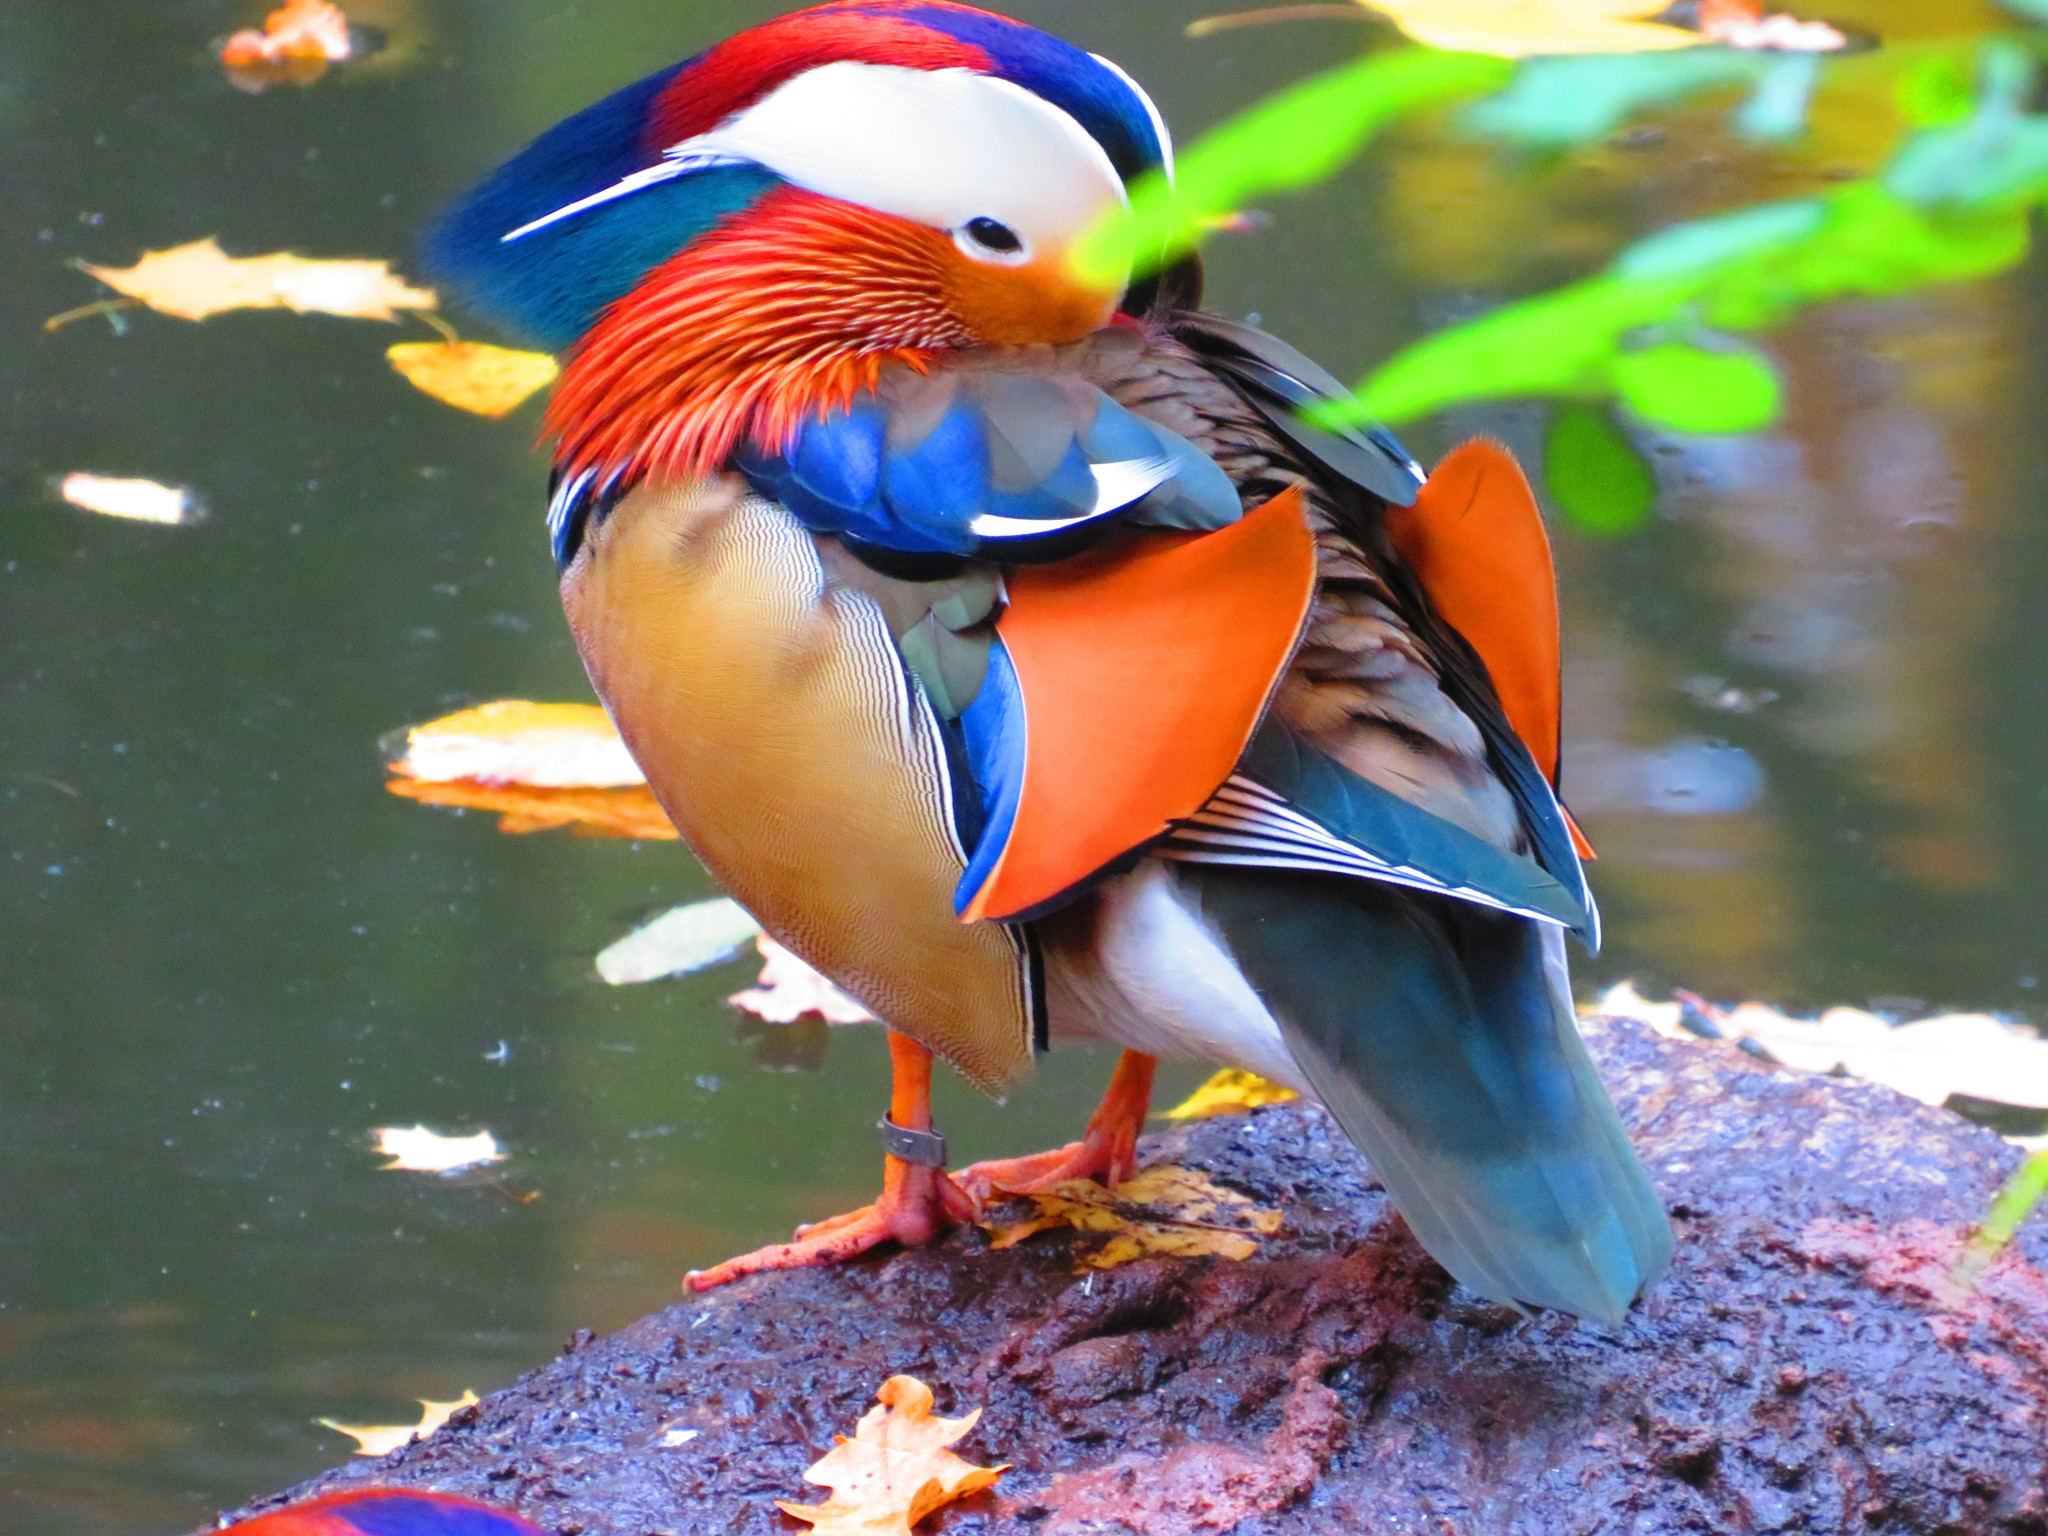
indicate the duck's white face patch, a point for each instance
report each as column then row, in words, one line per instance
column 1009, row 175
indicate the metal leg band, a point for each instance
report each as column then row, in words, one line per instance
column 926, row 1148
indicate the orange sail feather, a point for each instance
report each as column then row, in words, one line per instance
column 1144, row 667
column 1477, row 543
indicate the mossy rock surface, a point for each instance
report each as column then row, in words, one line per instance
column 1808, row 1365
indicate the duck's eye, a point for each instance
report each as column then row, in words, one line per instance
column 993, row 235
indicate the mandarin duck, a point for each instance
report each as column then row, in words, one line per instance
column 386, row 1512
column 1008, row 641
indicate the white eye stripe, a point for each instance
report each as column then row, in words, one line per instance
column 939, row 147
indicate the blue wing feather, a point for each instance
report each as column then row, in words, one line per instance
column 912, row 468
column 1292, row 807
column 993, row 730
column 1441, row 1037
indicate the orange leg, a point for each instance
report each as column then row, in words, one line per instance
column 917, row 1203
column 1107, row 1151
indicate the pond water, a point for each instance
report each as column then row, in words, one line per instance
column 1807, row 706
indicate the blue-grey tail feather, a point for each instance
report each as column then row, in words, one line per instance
column 1441, row 1037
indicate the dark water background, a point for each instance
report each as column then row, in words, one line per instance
column 1807, row 708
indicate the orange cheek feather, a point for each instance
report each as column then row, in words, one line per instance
column 1039, row 302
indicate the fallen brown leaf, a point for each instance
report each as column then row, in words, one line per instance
column 298, row 41
column 382, row 1439
column 472, row 376
column 1743, row 24
column 199, row 279
column 1231, row 1091
column 895, row 1470
column 1161, row 1209
column 789, row 990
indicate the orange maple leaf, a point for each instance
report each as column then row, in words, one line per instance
column 629, row 812
column 538, row 766
column 298, row 41
column 895, row 1470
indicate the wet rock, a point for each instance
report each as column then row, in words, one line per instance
column 1810, row 1364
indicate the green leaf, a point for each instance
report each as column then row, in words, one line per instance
column 1697, row 248
column 1693, row 389
column 1997, row 154
column 1559, row 343
column 1577, row 98
column 1936, row 91
column 1297, row 138
column 1776, row 109
column 2033, row 10
column 1870, row 243
column 1956, row 203
column 1594, row 473
column 2014, row 1203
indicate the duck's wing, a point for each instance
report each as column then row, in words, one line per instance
column 756, row 674
column 1411, row 750
column 1007, row 463
column 1430, row 662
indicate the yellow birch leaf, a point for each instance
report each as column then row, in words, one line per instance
column 895, row 1470
column 199, row 279
column 1159, row 1210
column 1231, row 1091
column 1517, row 29
column 473, row 376
column 382, row 1439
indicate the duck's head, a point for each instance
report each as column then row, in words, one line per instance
column 749, row 236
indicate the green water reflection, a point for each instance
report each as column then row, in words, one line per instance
column 1806, row 707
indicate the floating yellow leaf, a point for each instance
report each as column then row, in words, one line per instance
column 515, row 741
column 1518, row 29
column 631, row 812
column 415, row 1149
column 682, row 940
column 1162, row 1210
column 895, row 1470
column 143, row 501
column 538, row 766
column 200, row 279
column 382, row 1439
column 472, row 376
column 789, row 989
column 1229, row 1092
